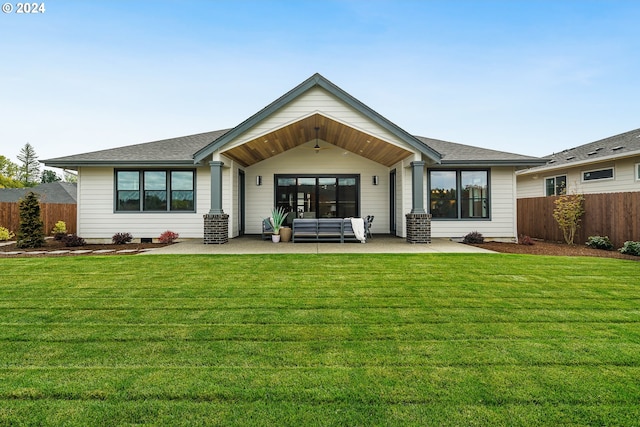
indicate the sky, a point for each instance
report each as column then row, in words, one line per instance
column 528, row 77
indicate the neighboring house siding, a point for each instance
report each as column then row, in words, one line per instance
column 96, row 219
column 533, row 185
column 313, row 101
column 502, row 223
column 374, row 200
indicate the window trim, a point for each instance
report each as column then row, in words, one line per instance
column 459, row 192
column 612, row 177
column 141, row 191
column 637, row 170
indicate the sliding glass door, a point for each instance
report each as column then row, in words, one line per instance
column 318, row 196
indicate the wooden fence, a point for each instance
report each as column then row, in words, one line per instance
column 616, row 215
column 49, row 212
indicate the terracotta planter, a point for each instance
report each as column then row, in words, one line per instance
column 285, row 234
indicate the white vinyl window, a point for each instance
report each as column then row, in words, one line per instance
column 637, row 171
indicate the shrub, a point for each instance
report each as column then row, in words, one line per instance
column 121, row 238
column 31, row 229
column 168, row 237
column 630, row 248
column 59, row 230
column 473, row 237
column 5, row 234
column 73, row 240
column 600, row 242
column 567, row 213
column 525, row 240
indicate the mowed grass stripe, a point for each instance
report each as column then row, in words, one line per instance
column 352, row 339
column 450, row 331
column 491, row 385
column 327, row 353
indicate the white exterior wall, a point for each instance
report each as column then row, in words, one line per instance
column 97, row 220
column 624, row 179
column 503, row 219
column 374, row 199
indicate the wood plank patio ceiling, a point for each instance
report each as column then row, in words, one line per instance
column 303, row 131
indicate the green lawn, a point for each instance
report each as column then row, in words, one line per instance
column 445, row 339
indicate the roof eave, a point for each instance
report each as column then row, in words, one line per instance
column 486, row 163
column 102, row 163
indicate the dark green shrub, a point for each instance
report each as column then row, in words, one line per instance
column 31, row 228
column 600, row 242
column 121, row 238
column 630, row 248
column 73, row 240
column 473, row 237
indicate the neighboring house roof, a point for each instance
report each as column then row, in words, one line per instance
column 614, row 147
column 52, row 192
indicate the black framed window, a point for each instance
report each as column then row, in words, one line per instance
column 598, row 174
column 318, row 196
column 155, row 190
column 459, row 194
column 556, row 185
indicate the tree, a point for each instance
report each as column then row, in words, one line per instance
column 30, row 169
column 50, row 176
column 70, row 177
column 9, row 174
column 31, row 228
column 567, row 213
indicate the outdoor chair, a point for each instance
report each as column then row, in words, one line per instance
column 367, row 226
column 267, row 229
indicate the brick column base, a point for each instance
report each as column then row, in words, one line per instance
column 418, row 228
column 216, row 229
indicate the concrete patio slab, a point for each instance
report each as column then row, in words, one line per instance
column 255, row 245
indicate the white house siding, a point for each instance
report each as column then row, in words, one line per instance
column 374, row 199
column 98, row 222
column 502, row 224
column 533, row 185
column 316, row 100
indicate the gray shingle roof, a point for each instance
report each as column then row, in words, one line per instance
column 167, row 151
column 616, row 146
column 52, row 192
column 180, row 151
column 460, row 154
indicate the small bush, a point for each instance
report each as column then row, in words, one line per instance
column 73, row 240
column 525, row 240
column 5, row 234
column 600, row 242
column 630, row 248
column 168, row 237
column 59, row 230
column 121, row 238
column 473, row 237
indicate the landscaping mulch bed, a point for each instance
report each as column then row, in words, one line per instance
column 52, row 245
column 553, row 248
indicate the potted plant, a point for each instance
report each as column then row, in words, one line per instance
column 277, row 218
